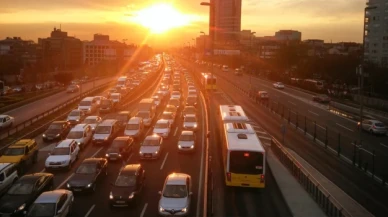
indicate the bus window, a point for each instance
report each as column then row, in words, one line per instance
column 242, row 162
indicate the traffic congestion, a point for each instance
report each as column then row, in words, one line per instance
column 133, row 143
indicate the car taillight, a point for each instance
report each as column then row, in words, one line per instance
column 262, row 179
column 374, row 127
column 229, row 177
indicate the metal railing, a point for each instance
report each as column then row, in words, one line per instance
column 322, row 197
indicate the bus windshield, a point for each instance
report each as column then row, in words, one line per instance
column 246, row 162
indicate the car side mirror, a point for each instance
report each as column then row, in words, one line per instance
column 160, row 192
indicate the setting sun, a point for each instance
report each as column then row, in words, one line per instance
column 160, row 18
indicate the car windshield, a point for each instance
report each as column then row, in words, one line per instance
column 87, row 168
column 114, row 96
column 118, row 144
column 14, row 151
column 175, row 191
column 21, row 188
column 189, row 111
column 132, row 127
column 190, row 119
column 105, row 102
column 60, row 151
column 174, row 102
column 122, row 118
column 125, row 181
column 166, row 116
column 74, row 113
column 103, row 130
column 55, row 127
column 143, row 115
column 161, row 125
column 42, row 210
column 75, row 135
column 186, row 138
column 72, row 86
column 379, row 124
column 170, row 109
column 151, row 142
column 90, row 121
column 85, row 103
column 175, row 93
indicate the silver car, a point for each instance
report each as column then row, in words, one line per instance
column 187, row 141
column 175, row 198
column 57, row 203
column 151, row 148
column 190, row 122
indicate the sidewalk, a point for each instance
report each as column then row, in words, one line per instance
column 348, row 203
column 298, row 200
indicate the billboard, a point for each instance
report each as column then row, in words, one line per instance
column 227, row 52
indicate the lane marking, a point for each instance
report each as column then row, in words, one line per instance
column 176, row 129
column 144, row 209
column 205, row 122
column 313, row 113
column 291, row 103
column 164, row 161
column 42, row 171
column 321, row 126
column 384, row 145
column 344, row 127
column 90, row 210
column 65, row 181
column 264, row 137
column 96, row 152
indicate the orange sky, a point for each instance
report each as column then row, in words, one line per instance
column 336, row 20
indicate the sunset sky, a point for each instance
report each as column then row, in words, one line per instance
column 336, row 20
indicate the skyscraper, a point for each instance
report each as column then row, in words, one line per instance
column 376, row 32
column 227, row 20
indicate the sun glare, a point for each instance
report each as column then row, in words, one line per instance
column 160, row 18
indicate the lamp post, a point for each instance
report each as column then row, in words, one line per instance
column 204, row 44
column 211, row 31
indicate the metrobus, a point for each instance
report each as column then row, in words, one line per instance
column 209, row 81
column 243, row 154
column 232, row 114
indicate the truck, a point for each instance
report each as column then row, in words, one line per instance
column 147, row 104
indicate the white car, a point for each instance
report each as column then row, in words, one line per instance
column 151, row 147
column 175, row 95
column 82, row 134
column 57, row 203
column 189, row 110
column 175, row 198
column 6, row 121
column 93, row 121
column 187, row 141
column 157, row 100
column 98, row 100
column 146, row 116
column 278, row 85
column 75, row 116
column 169, row 116
column 162, row 128
column 175, row 102
column 190, row 122
column 63, row 155
column 374, row 126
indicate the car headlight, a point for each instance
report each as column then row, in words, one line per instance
column 68, row 185
column 156, row 152
column 89, row 185
column 179, row 146
column 140, row 152
column 192, row 146
column 119, row 155
column 106, row 138
column 58, row 135
column 77, row 120
column 106, row 155
column 78, row 143
column 184, row 210
column 88, row 109
column 195, row 125
column 131, row 195
column 161, row 209
column 44, row 135
column 22, row 207
column 110, row 195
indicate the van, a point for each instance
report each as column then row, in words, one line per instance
column 134, row 127
column 88, row 105
column 82, row 134
column 106, row 132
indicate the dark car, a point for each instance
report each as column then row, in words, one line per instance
column 120, row 149
column 87, row 175
column 123, row 118
column 321, row 98
column 128, row 185
column 24, row 192
column 106, row 106
column 56, row 131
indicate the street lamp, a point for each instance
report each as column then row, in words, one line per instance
column 211, row 31
column 204, row 44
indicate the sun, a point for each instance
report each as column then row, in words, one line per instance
column 160, row 18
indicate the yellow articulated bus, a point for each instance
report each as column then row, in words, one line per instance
column 209, row 81
column 242, row 151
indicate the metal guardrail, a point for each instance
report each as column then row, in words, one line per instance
column 322, row 197
column 44, row 114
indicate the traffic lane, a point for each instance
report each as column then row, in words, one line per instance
column 241, row 201
column 30, row 110
column 360, row 187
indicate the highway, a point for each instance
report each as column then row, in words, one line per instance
column 354, row 182
column 32, row 109
column 96, row 204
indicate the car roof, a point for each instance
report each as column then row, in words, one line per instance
column 50, row 196
column 3, row 116
column 107, row 122
column 168, row 113
column 92, row 117
column 189, row 107
column 177, row 179
column 134, row 120
column 21, row 143
column 4, row 165
column 79, row 127
column 187, row 132
column 162, row 121
column 34, row 176
column 190, row 116
column 64, row 143
column 120, row 138
column 130, row 169
column 152, row 137
column 124, row 112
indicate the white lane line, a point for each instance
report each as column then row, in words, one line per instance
column 291, row 103
column 42, row 171
column 384, row 145
column 344, row 127
column 265, row 137
column 321, row 127
column 64, row 182
column 164, row 161
column 96, row 152
column 90, row 210
column 144, row 209
column 313, row 113
column 176, row 130
column 204, row 154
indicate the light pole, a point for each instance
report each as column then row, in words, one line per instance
column 204, row 44
column 211, row 31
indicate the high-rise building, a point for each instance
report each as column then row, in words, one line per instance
column 227, row 20
column 376, row 32
column 288, row 35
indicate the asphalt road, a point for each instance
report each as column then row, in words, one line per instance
column 355, row 183
column 156, row 171
column 30, row 110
